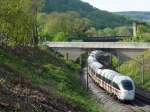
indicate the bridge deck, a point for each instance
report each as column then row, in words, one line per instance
column 104, row 45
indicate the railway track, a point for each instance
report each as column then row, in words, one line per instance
column 142, row 95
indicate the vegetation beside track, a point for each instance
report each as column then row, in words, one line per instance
column 36, row 69
column 133, row 68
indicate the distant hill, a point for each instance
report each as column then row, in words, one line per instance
column 99, row 18
column 136, row 15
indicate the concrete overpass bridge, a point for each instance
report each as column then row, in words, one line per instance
column 100, row 45
column 124, row 50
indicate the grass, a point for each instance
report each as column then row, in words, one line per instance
column 44, row 68
column 133, row 69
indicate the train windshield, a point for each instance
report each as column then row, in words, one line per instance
column 127, row 85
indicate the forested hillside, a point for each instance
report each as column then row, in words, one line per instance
column 98, row 18
column 136, row 15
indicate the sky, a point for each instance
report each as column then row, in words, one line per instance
column 121, row 5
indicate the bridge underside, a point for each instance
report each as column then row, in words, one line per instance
column 122, row 54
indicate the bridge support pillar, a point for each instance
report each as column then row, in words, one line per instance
column 67, row 56
column 80, row 61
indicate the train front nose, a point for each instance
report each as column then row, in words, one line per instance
column 128, row 90
column 127, row 95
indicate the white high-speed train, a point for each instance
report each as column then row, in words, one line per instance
column 113, row 82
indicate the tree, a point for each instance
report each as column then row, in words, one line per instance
column 91, row 32
column 80, row 26
column 108, row 32
column 143, row 33
column 57, row 22
column 69, row 23
column 123, row 31
column 101, row 33
column 59, row 37
column 17, row 21
column 36, row 7
column 99, row 19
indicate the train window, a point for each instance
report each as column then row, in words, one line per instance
column 127, row 84
column 115, row 85
column 99, row 76
column 102, row 78
column 106, row 80
column 109, row 81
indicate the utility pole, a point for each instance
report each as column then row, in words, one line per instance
column 87, row 75
column 87, row 79
column 81, row 69
column 110, row 59
column 142, row 70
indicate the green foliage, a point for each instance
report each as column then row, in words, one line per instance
column 18, row 21
column 59, row 37
column 91, row 32
column 100, row 32
column 142, row 29
column 119, row 31
column 45, row 69
column 132, row 68
column 99, row 19
column 114, row 61
column 143, row 34
column 108, row 32
column 124, row 31
column 62, row 26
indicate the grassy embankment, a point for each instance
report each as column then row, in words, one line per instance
column 133, row 69
column 43, row 69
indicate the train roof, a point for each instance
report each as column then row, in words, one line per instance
column 96, row 65
column 123, row 77
column 94, row 53
column 108, row 72
column 91, row 59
